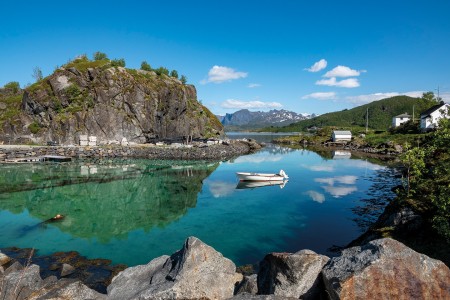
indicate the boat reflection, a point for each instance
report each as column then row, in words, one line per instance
column 257, row 184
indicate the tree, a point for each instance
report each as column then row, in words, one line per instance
column 183, row 79
column 145, row 66
column 14, row 86
column 37, row 74
column 429, row 96
column 100, row 56
column 174, row 74
column 162, row 70
column 118, row 62
column 414, row 162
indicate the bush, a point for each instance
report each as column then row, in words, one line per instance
column 174, row 74
column 118, row 62
column 162, row 70
column 145, row 66
column 14, row 86
column 100, row 56
column 183, row 79
column 34, row 127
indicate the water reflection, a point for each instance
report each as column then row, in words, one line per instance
column 257, row 184
column 105, row 201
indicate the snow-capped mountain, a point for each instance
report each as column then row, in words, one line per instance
column 248, row 119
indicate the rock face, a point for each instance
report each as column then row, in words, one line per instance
column 291, row 275
column 197, row 271
column 111, row 103
column 386, row 269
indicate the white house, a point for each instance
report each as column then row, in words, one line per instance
column 429, row 119
column 341, row 136
column 400, row 119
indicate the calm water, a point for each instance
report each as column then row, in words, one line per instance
column 131, row 211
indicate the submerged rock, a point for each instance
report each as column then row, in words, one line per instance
column 386, row 269
column 291, row 275
column 197, row 271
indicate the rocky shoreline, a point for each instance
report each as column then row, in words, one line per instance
column 196, row 151
column 383, row 150
column 380, row 269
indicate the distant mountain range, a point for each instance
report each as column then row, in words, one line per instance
column 245, row 119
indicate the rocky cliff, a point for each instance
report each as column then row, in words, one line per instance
column 94, row 98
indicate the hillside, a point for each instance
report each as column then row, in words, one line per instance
column 244, row 119
column 380, row 115
column 110, row 102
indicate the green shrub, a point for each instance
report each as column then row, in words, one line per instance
column 145, row 66
column 14, row 86
column 34, row 127
column 162, row 70
column 174, row 74
column 100, row 56
column 118, row 62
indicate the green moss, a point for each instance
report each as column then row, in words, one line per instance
column 34, row 127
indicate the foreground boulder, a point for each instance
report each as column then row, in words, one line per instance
column 197, row 271
column 386, row 269
column 291, row 275
column 18, row 282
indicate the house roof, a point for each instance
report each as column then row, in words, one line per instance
column 405, row 115
column 342, row 132
column 432, row 109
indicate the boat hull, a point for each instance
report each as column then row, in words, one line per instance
column 259, row 177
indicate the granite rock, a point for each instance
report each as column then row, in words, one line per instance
column 291, row 275
column 386, row 269
column 197, row 271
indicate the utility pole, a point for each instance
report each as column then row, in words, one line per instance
column 413, row 114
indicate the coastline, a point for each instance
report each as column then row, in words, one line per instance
column 197, row 151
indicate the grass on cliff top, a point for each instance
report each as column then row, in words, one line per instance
column 82, row 64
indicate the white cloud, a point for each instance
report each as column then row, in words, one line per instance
column 320, row 96
column 316, row 67
column 347, row 83
column 238, row 104
column 316, row 196
column 346, row 179
column 445, row 97
column 221, row 188
column 256, row 159
column 342, row 71
column 219, row 74
column 321, row 168
column 253, row 85
column 340, row 191
column 363, row 99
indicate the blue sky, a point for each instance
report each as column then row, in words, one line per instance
column 297, row 55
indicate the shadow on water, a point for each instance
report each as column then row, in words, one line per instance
column 104, row 200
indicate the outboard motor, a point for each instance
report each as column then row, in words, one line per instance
column 282, row 173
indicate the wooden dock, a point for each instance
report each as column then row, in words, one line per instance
column 31, row 159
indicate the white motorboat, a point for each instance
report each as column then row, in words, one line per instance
column 245, row 176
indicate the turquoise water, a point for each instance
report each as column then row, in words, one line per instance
column 131, row 211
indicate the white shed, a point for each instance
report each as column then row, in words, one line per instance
column 341, row 136
column 429, row 119
column 400, row 119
